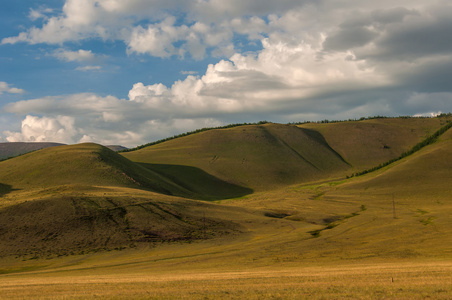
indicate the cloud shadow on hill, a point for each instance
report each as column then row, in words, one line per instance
column 5, row 189
column 204, row 186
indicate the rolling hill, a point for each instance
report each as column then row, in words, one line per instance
column 13, row 149
column 368, row 143
column 82, row 198
column 260, row 157
column 8, row 150
column 83, row 164
column 265, row 157
column 275, row 186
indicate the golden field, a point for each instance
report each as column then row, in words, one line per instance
column 257, row 212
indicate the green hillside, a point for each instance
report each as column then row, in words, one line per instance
column 368, row 143
column 83, row 164
column 285, row 215
column 8, row 150
column 265, row 157
column 260, row 157
column 426, row 174
column 407, row 205
column 83, row 198
column 289, row 174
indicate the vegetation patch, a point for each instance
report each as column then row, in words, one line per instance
column 428, row 141
column 427, row 221
column 277, row 215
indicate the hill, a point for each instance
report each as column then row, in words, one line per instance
column 259, row 157
column 384, row 234
column 82, row 164
column 113, row 201
column 368, row 143
column 8, row 150
column 265, row 157
column 86, row 197
column 70, row 222
column 406, row 206
column 116, row 148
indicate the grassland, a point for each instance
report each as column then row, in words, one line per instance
column 317, row 235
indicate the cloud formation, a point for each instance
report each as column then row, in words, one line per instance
column 6, row 88
column 314, row 60
column 79, row 56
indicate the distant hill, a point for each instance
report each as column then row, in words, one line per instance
column 116, row 147
column 367, row 143
column 256, row 156
column 73, row 199
column 14, row 149
column 263, row 157
column 82, row 164
column 63, row 207
column 8, row 150
column 95, row 165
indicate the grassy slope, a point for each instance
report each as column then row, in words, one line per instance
column 359, row 241
column 365, row 144
column 260, row 157
column 107, row 219
column 408, row 206
column 83, row 164
column 14, row 149
column 72, row 199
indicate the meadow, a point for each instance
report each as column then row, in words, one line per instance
column 195, row 218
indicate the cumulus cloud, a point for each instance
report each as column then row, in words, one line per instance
column 35, row 129
column 6, row 88
column 317, row 59
column 40, row 13
column 79, row 56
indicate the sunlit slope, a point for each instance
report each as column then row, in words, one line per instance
column 83, row 164
column 368, row 143
column 425, row 174
column 407, row 207
column 259, row 157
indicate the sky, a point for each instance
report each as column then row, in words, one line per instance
column 129, row 72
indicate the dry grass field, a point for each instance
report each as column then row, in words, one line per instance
column 384, row 280
column 141, row 227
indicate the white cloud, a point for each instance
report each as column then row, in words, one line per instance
column 318, row 59
column 6, row 88
column 89, row 68
column 40, row 13
column 79, row 56
column 157, row 39
column 34, row 129
column 282, row 77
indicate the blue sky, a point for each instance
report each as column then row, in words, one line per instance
column 130, row 72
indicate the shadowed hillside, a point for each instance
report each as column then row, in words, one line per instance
column 264, row 157
column 83, row 164
column 95, row 165
column 82, row 198
column 260, row 157
column 80, row 223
